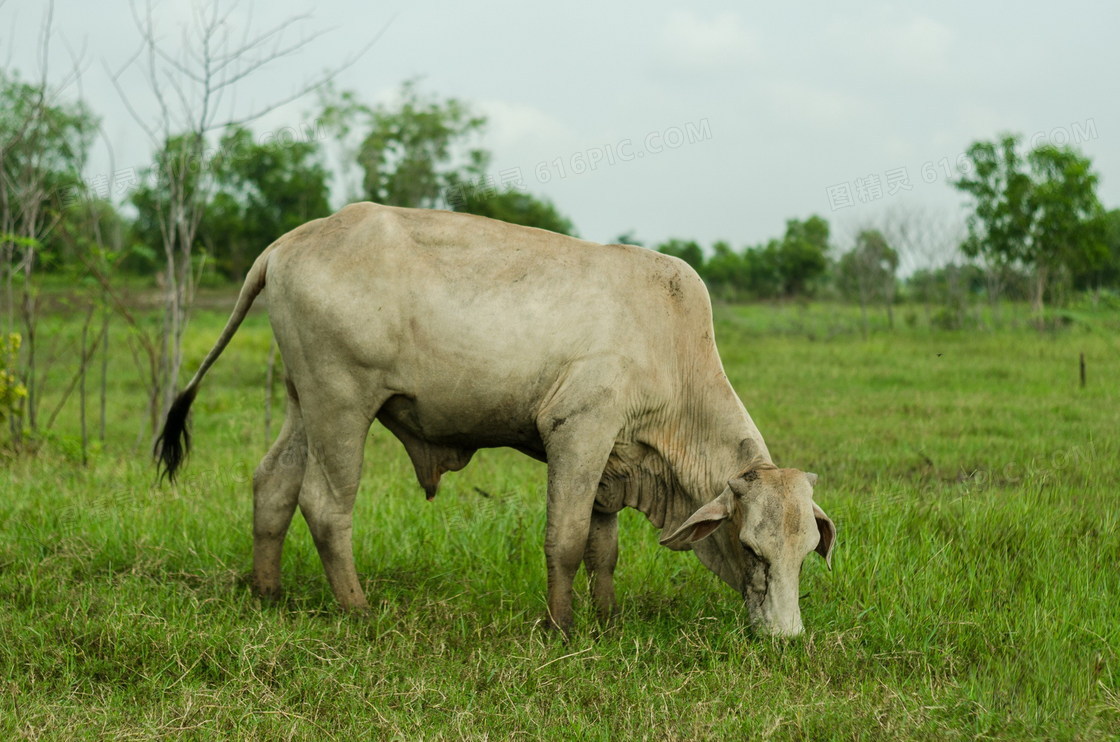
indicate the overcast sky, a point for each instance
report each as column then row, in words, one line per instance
column 715, row 120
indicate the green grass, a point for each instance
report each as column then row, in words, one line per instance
column 973, row 594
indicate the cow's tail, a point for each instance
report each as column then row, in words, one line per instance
column 174, row 440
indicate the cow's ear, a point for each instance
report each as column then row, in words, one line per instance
column 812, row 478
column 828, row 534
column 702, row 523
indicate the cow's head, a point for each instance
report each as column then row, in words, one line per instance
column 774, row 525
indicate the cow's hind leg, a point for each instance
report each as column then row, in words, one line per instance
column 600, row 559
column 276, row 484
column 335, row 440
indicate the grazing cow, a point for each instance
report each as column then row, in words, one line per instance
column 458, row 332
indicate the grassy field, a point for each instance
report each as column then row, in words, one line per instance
column 974, row 591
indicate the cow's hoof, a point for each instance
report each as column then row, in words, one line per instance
column 269, row 595
column 608, row 614
column 556, row 630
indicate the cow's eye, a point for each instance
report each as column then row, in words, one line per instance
column 753, row 552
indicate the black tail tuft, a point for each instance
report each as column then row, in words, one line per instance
column 174, row 441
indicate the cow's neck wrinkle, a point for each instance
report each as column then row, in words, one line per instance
column 687, row 459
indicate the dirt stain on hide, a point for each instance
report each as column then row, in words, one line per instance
column 791, row 522
column 674, row 286
column 750, row 475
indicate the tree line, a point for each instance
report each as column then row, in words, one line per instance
column 1035, row 228
column 1035, row 231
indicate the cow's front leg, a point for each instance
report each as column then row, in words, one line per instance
column 600, row 559
column 569, row 521
column 577, row 452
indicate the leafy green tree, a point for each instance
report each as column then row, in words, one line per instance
column 1040, row 211
column 413, row 152
column 262, row 190
column 44, row 143
column 687, row 250
column 1104, row 272
column 802, row 256
column 867, row 273
column 725, row 271
column 999, row 226
column 762, row 270
column 515, row 207
column 175, row 178
column 1068, row 236
column 91, row 225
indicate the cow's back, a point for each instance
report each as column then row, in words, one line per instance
column 472, row 316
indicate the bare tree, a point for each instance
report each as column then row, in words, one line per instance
column 192, row 86
column 923, row 236
column 869, row 272
column 929, row 240
column 43, row 147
